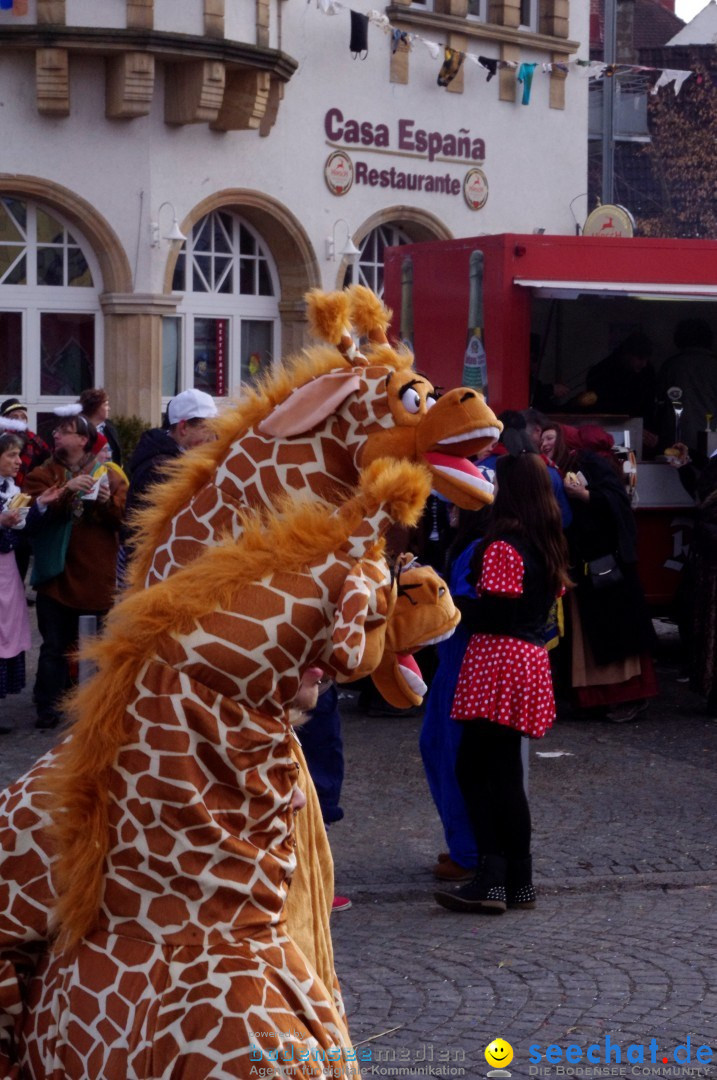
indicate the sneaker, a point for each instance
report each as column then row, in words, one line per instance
column 627, row 712
column 341, row 903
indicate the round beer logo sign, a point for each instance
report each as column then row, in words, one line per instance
column 475, row 189
column 609, row 220
column 338, row 173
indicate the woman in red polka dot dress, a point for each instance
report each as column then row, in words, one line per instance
column 504, row 689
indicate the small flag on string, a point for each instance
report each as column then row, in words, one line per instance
column 525, row 76
column 450, row 66
column 359, row 35
column 398, row 37
column 490, row 65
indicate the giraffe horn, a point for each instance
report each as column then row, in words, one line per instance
column 369, row 315
column 328, row 315
column 329, row 320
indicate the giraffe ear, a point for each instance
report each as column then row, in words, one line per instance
column 308, row 405
column 348, row 638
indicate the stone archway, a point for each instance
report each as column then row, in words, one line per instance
column 419, row 224
column 106, row 245
column 288, row 242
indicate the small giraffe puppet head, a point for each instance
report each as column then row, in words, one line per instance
column 311, row 427
column 424, row 614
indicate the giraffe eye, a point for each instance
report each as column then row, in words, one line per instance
column 412, row 401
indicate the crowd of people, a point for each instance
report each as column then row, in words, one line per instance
column 76, row 524
column 553, row 562
column 546, row 579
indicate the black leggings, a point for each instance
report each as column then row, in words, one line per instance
column 489, row 769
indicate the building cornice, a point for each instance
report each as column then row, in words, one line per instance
column 140, row 303
column 457, row 24
column 166, row 46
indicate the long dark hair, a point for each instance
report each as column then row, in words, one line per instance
column 526, row 506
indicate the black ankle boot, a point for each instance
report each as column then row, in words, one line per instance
column 485, row 893
column 520, row 892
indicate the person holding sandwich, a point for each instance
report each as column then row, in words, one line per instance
column 14, row 510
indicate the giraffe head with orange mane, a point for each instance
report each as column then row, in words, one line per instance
column 310, row 428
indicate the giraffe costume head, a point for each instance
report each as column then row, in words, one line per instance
column 311, row 427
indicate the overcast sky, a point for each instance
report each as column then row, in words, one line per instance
column 687, row 9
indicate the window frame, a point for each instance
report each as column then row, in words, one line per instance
column 236, row 307
column 533, row 15
column 32, row 301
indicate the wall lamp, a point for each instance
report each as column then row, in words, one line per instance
column 349, row 251
column 175, row 233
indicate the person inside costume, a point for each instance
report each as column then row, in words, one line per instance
column 504, row 688
column 180, row 766
column 440, row 735
column 422, row 610
column 14, row 516
column 75, row 548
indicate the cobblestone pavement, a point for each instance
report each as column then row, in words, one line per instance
column 622, row 945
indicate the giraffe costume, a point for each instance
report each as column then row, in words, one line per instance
column 175, row 837
column 200, row 512
column 310, row 428
column 423, row 613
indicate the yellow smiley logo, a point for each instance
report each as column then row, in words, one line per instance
column 499, row 1053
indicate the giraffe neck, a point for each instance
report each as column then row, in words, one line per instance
column 258, row 470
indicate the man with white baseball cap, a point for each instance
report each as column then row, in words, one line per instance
column 189, row 405
column 187, row 425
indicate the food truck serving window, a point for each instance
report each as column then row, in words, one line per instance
column 570, row 290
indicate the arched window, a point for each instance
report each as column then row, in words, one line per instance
column 369, row 270
column 226, row 329
column 50, row 329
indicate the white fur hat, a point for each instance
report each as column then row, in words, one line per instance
column 8, row 424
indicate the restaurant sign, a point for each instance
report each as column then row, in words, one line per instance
column 408, row 141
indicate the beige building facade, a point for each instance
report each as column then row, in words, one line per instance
column 176, row 174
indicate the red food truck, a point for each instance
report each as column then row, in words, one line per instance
column 562, row 303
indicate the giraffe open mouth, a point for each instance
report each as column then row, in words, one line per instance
column 411, row 673
column 450, row 472
column 408, row 665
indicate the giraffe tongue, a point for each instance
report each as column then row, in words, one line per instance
column 411, row 673
column 458, row 469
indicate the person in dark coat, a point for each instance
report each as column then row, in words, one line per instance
column 186, row 427
column 612, row 631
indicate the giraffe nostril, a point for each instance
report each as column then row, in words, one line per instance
column 468, row 395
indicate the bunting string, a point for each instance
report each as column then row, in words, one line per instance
column 633, row 78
